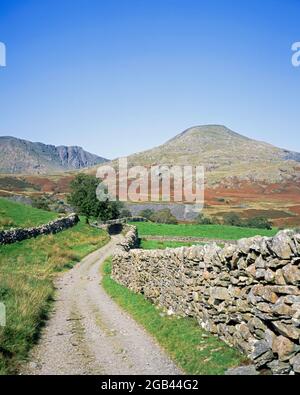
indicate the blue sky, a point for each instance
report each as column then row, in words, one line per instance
column 120, row 76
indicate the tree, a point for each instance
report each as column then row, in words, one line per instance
column 83, row 198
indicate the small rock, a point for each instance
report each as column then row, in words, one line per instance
column 220, row 293
column 279, row 367
column 283, row 347
column 291, row 274
column 248, row 370
column 279, row 279
column 286, row 330
column 295, row 361
column 281, row 245
column 260, row 347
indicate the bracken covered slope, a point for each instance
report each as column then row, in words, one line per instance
column 225, row 155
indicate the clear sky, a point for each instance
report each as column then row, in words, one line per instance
column 120, row 76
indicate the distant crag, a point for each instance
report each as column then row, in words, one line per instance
column 25, row 157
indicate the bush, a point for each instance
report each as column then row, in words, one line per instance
column 6, row 222
column 203, row 220
column 259, row 222
column 41, row 203
column 163, row 216
column 232, row 219
column 125, row 213
column 147, row 213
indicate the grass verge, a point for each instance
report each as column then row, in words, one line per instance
column 194, row 350
column 221, row 232
column 27, row 270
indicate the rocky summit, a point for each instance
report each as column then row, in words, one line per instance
column 22, row 156
column 225, row 154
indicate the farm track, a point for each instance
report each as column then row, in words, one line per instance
column 88, row 334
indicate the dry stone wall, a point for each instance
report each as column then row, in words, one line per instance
column 19, row 234
column 247, row 294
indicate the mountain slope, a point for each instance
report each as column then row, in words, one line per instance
column 22, row 156
column 224, row 154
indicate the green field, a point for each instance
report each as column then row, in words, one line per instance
column 27, row 270
column 193, row 349
column 18, row 215
column 221, row 232
column 161, row 245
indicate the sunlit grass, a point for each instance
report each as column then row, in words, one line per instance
column 222, row 232
column 14, row 214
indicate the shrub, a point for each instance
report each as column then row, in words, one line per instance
column 203, row 220
column 6, row 222
column 41, row 203
column 259, row 222
column 147, row 213
column 163, row 216
column 125, row 213
column 232, row 219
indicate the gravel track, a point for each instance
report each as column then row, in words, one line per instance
column 87, row 333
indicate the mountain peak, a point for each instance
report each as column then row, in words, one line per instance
column 209, row 131
column 22, row 156
column 223, row 153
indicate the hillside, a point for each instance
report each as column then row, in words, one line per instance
column 22, row 156
column 226, row 155
column 14, row 214
column 249, row 177
column 242, row 175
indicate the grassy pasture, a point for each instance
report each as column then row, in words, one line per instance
column 221, row 232
column 161, row 245
column 14, row 214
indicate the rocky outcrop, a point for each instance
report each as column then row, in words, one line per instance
column 22, row 156
column 19, row 234
column 247, row 294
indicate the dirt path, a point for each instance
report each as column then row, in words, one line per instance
column 88, row 333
